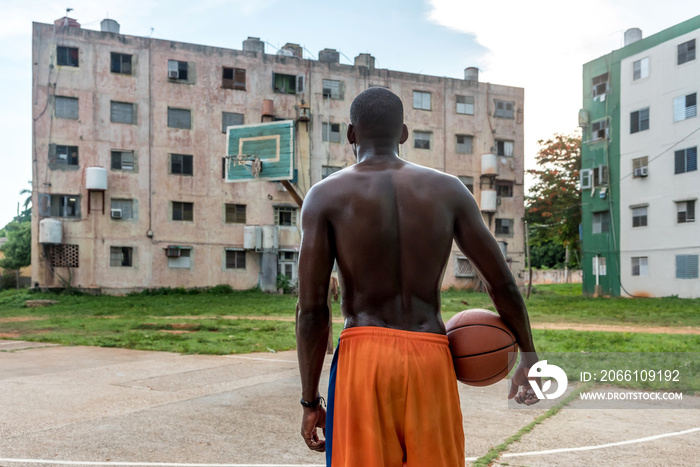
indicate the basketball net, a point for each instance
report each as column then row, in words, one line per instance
column 252, row 164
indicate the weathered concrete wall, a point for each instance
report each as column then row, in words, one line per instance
column 553, row 276
column 154, row 188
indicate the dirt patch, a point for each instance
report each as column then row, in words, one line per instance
column 616, row 328
column 9, row 335
column 175, row 332
column 19, row 319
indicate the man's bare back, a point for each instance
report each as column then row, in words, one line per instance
column 391, row 264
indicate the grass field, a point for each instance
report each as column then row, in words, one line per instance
column 215, row 322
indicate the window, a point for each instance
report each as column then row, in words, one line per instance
column 121, row 63
column 601, row 222
column 599, row 129
column 421, row 100
column 64, row 256
column 600, row 86
column 64, row 206
column 123, row 112
column 230, row 119
column 421, row 139
column 686, row 211
column 181, row 164
column 639, row 216
column 599, row 266
column 67, row 56
column 686, row 160
column 685, row 107
column 287, row 84
column 179, row 118
column 640, row 266
column 600, row 175
column 122, row 209
column 331, row 89
column 183, row 211
column 467, row 181
column 586, row 179
column 686, row 266
column 465, row 105
column 177, row 70
column 120, row 256
column 327, row 170
column 179, row 257
column 62, row 155
column 638, row 164
column 504, row 227
column 123, row 160
column 67, row 107
column 504, row 148
column 465, row 144
column 235, row 214
column 463, row 267
column 235, row 259
column 233, row 78
column 686, row 52
column 640, row 68
column 639, row 120
column 331, row 132
column 285, row 216
column 504, row 188
column 504, row 109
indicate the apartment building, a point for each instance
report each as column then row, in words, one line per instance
column 129, row 155
column 639, row 166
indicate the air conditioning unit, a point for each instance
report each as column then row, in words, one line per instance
column 173, row 74
column 641, row 171
column 172, row 252
column 116, row 213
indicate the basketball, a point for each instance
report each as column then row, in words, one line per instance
column 480, row 342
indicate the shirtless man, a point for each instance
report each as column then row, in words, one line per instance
column 390, row 224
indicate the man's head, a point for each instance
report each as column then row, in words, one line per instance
column 377, row 113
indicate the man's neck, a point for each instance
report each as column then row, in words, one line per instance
column 377, row 152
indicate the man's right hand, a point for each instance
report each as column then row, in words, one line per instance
column 313, row 419
column 521, row 381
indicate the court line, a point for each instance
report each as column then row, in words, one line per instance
column 261, row 359
column 601, row 446
column 514, row 454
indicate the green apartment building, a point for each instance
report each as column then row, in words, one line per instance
column 639, row 175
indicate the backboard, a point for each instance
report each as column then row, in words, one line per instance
column 271, row 143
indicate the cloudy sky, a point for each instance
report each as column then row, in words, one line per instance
column 538, row 45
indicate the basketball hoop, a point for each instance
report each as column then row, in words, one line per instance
column 252, row 164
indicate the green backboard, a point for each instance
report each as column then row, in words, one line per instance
column 272, row 144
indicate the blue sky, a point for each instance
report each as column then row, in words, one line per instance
column 539, row 45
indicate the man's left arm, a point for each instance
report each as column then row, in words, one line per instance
column 316, row 258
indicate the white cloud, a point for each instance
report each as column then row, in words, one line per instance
column 542, row 46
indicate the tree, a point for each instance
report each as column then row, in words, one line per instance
column 18, row 249
column 553, row 204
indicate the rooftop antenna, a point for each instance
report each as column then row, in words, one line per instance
column 151, row 33
column 68, row 10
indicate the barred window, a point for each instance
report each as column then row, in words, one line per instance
column 235, row 214
column 285, row 216
column 235, row 259
column 463, row 267
column 120, row 256
column 64, row 256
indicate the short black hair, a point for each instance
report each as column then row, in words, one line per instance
column 377, row 112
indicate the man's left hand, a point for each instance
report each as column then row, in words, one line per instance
column 312, row 420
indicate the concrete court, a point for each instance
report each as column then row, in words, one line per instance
column 97, row 405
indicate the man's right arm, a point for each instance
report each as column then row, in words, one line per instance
column 477, row 243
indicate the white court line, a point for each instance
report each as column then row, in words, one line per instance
column 514, row 454
column 261, row 359
column 601, row 446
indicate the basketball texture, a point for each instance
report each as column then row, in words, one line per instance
column 480, row 343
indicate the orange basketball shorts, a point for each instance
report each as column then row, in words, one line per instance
column 393, row 401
